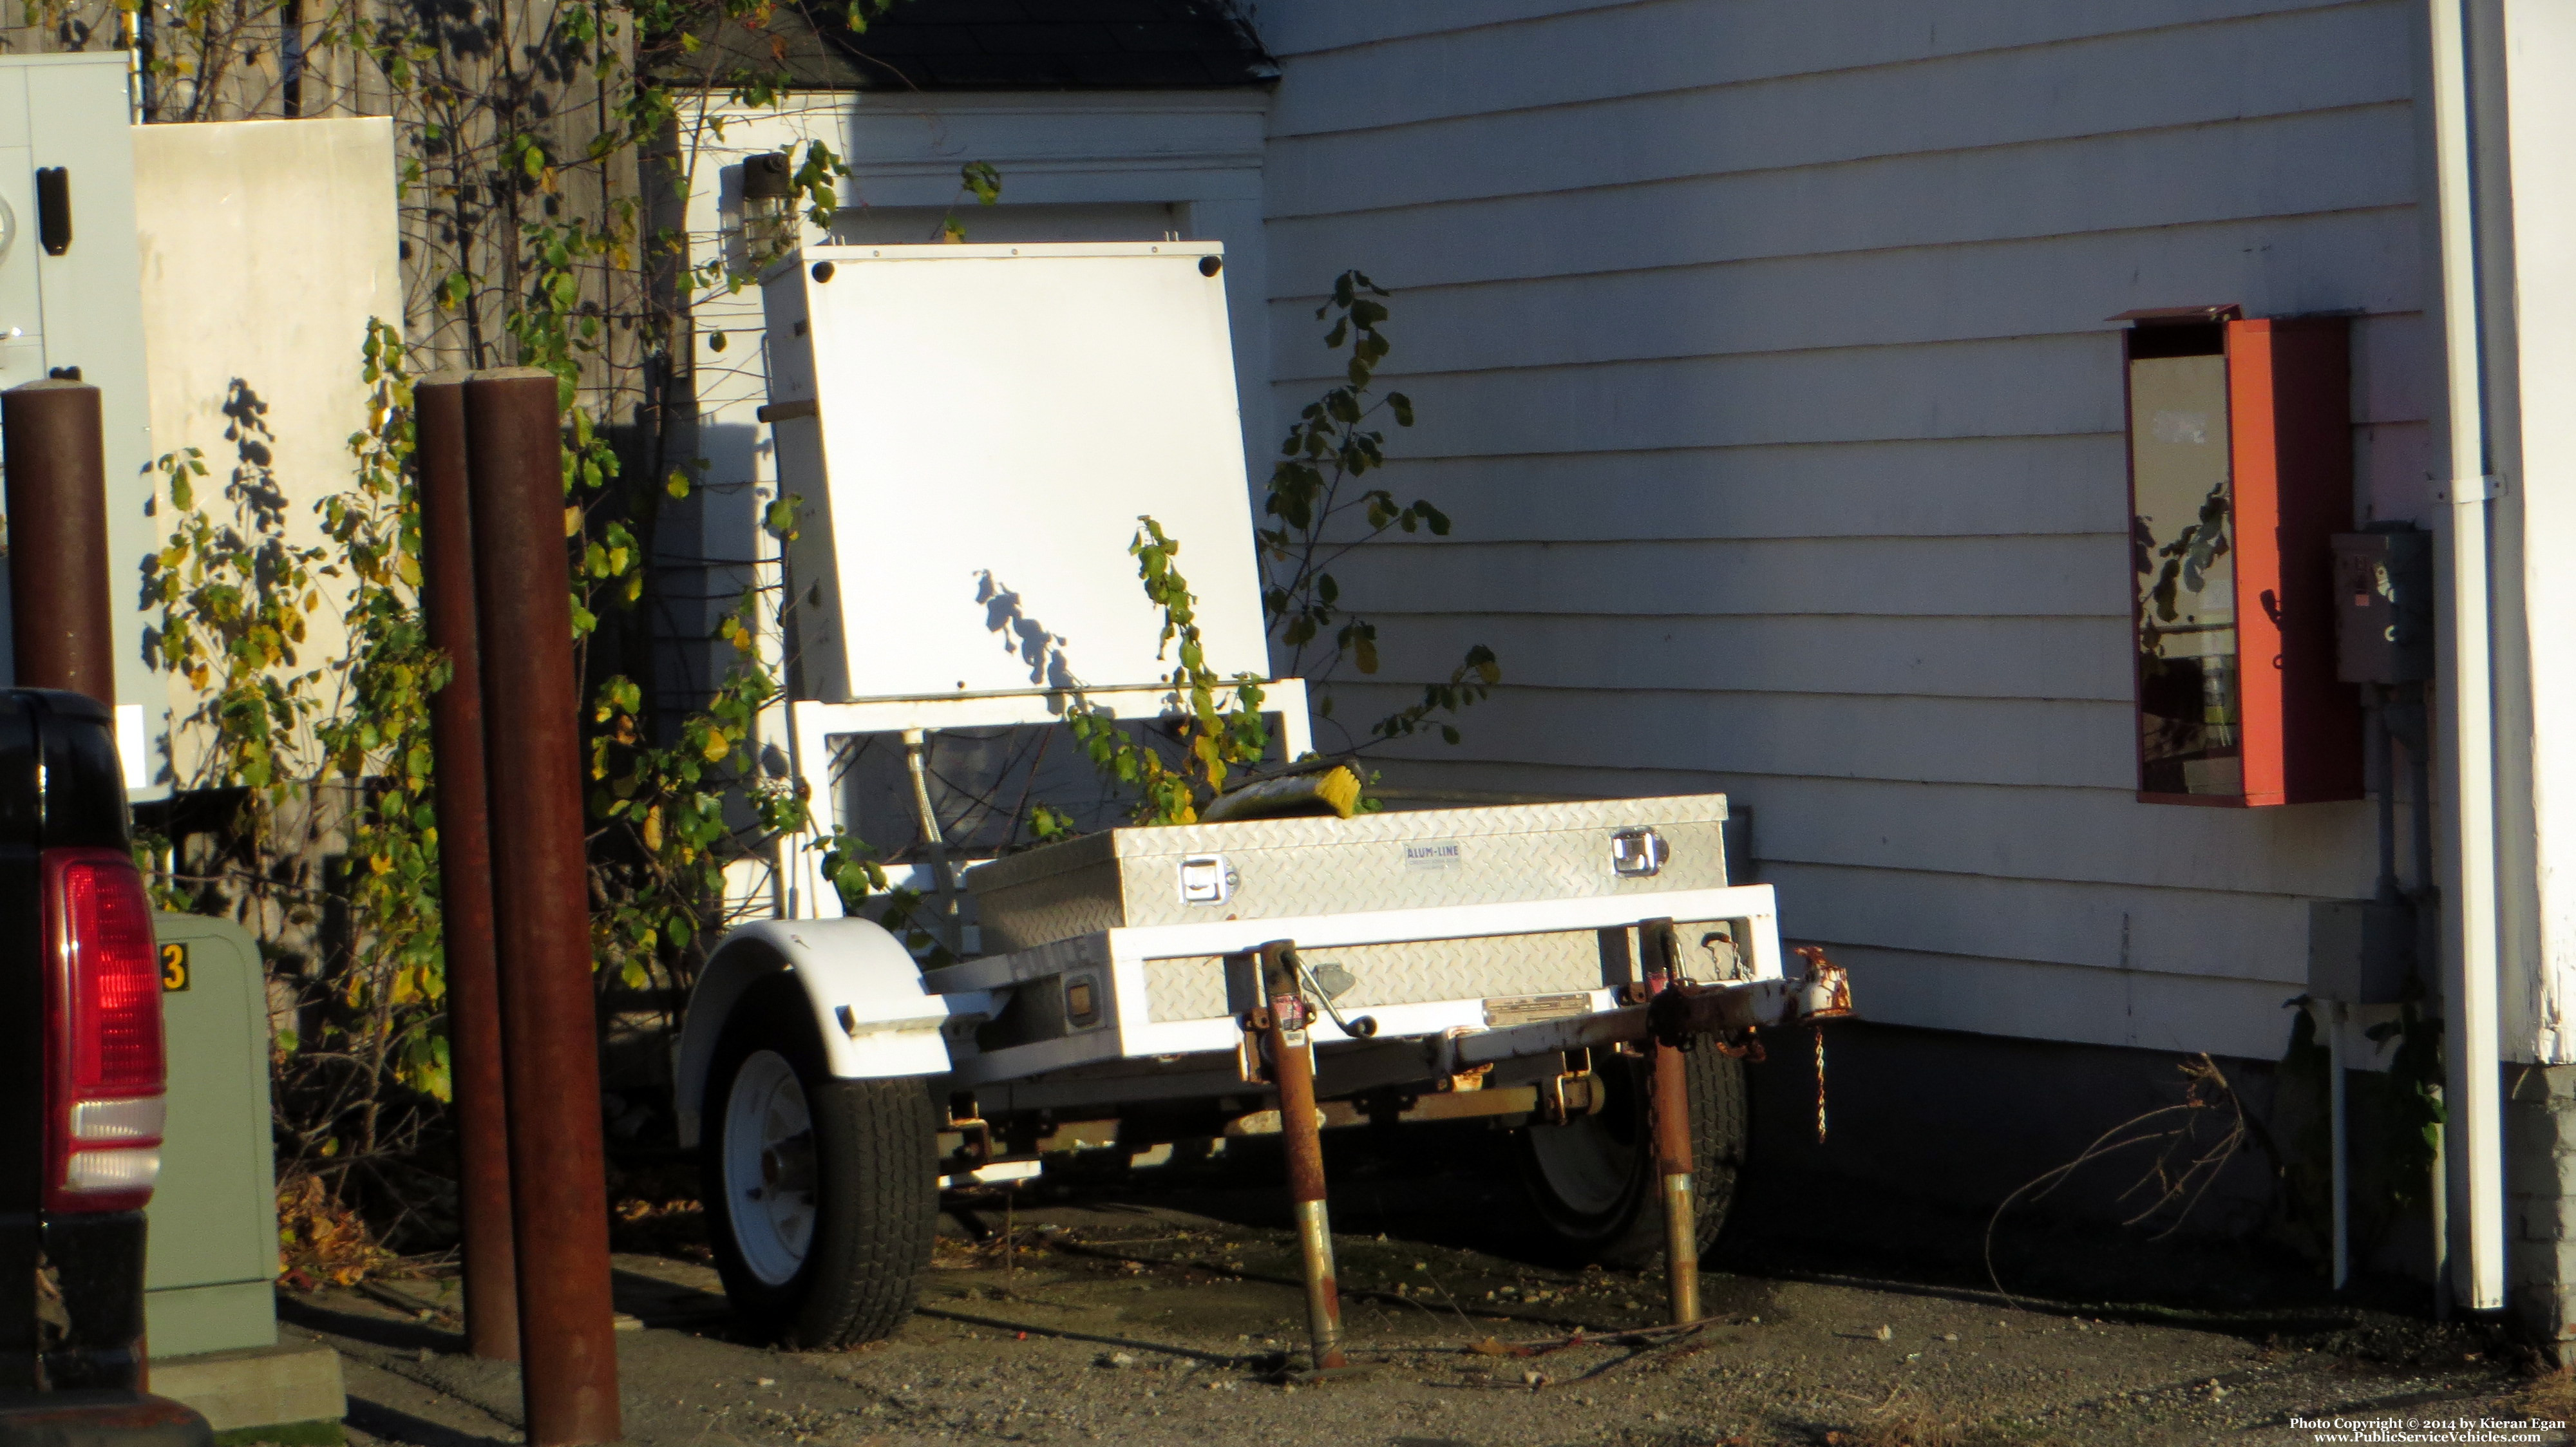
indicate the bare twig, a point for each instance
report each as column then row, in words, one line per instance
column 2180, row 1172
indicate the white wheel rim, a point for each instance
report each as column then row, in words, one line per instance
column 1587, row 1167
column 769, row 1167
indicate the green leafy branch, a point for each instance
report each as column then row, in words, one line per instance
column 332, row 756
column 378, row 739
column 979, row 180
column 1320, row 513
column 1214, row 738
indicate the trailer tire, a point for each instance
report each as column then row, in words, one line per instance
column 1592, row 1184
column 845, row 1266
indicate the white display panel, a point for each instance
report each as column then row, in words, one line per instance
column 990, row 422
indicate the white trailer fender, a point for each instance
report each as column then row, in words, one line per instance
column 870, row 1008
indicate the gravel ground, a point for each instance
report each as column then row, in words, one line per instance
column 1125, row 1314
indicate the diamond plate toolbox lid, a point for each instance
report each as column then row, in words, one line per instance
column 1415, row 859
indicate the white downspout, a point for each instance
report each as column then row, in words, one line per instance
column 2475, row 1133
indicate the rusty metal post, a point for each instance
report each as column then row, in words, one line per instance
column 59, row 589
column 1668, row 1108
column 1671, row 1112
column 1292, row 1068
column 540, row 896
column 465, row 874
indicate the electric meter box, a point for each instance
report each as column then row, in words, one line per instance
column 2360, row 951
column 68, row 302
column 210, row 1268
column 972, row 433
column 2383, row 597
column 2240, row 475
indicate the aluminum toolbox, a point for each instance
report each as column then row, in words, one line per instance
column 1284, row 868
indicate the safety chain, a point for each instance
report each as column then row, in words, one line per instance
column 1820, row 1084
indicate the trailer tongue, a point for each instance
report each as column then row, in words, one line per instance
column 1580, row 974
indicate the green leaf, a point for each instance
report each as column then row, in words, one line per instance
column 780, row 517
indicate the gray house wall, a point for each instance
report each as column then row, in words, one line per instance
column 1760, row 354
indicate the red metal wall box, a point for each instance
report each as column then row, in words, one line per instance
column 2240, row 474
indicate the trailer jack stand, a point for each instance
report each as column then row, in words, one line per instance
column 1668, row 1110
column 1682, row 1016
column 1672, row 1136
column 1292, row 1067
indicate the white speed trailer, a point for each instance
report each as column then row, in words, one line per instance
column 974, row 432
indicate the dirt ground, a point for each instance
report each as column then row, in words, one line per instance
column 1157, row 1312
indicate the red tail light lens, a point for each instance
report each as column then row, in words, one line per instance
column 103, row 998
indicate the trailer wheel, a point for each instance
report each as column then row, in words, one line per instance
column 821, row 1194
column 1592, row 1180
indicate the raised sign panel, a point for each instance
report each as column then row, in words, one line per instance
column 973, row 432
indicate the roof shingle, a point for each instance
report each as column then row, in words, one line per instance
column 997, row 45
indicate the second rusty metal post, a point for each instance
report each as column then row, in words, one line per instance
column 1668, row 1107
column 540, row 895
column 465, row 873
column 1671, row 1111
column 59, row 590
column 1292, row 1067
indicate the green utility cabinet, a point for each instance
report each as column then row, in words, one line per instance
column 210, row 1278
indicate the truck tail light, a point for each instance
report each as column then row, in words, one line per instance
column 103, row 1019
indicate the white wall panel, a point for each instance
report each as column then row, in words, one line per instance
column 254, row 331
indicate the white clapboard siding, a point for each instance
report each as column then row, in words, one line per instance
column 1464, row 62
column 1761, row 355
column 1907, row 488
column 1922, row 489
column 2141, row 1009
column 2332, row 261
column 2081, row 575
column 2078, row 659
column 1308, row 28
column 2153, row 180
column 2090, row 835
column 2229, row 934
column 1990, row 388
column 2025, row 743
column 2319, row 61
column 1822, row 504
column 1960, row 486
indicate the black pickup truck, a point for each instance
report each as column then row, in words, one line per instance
column 81, row 1079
